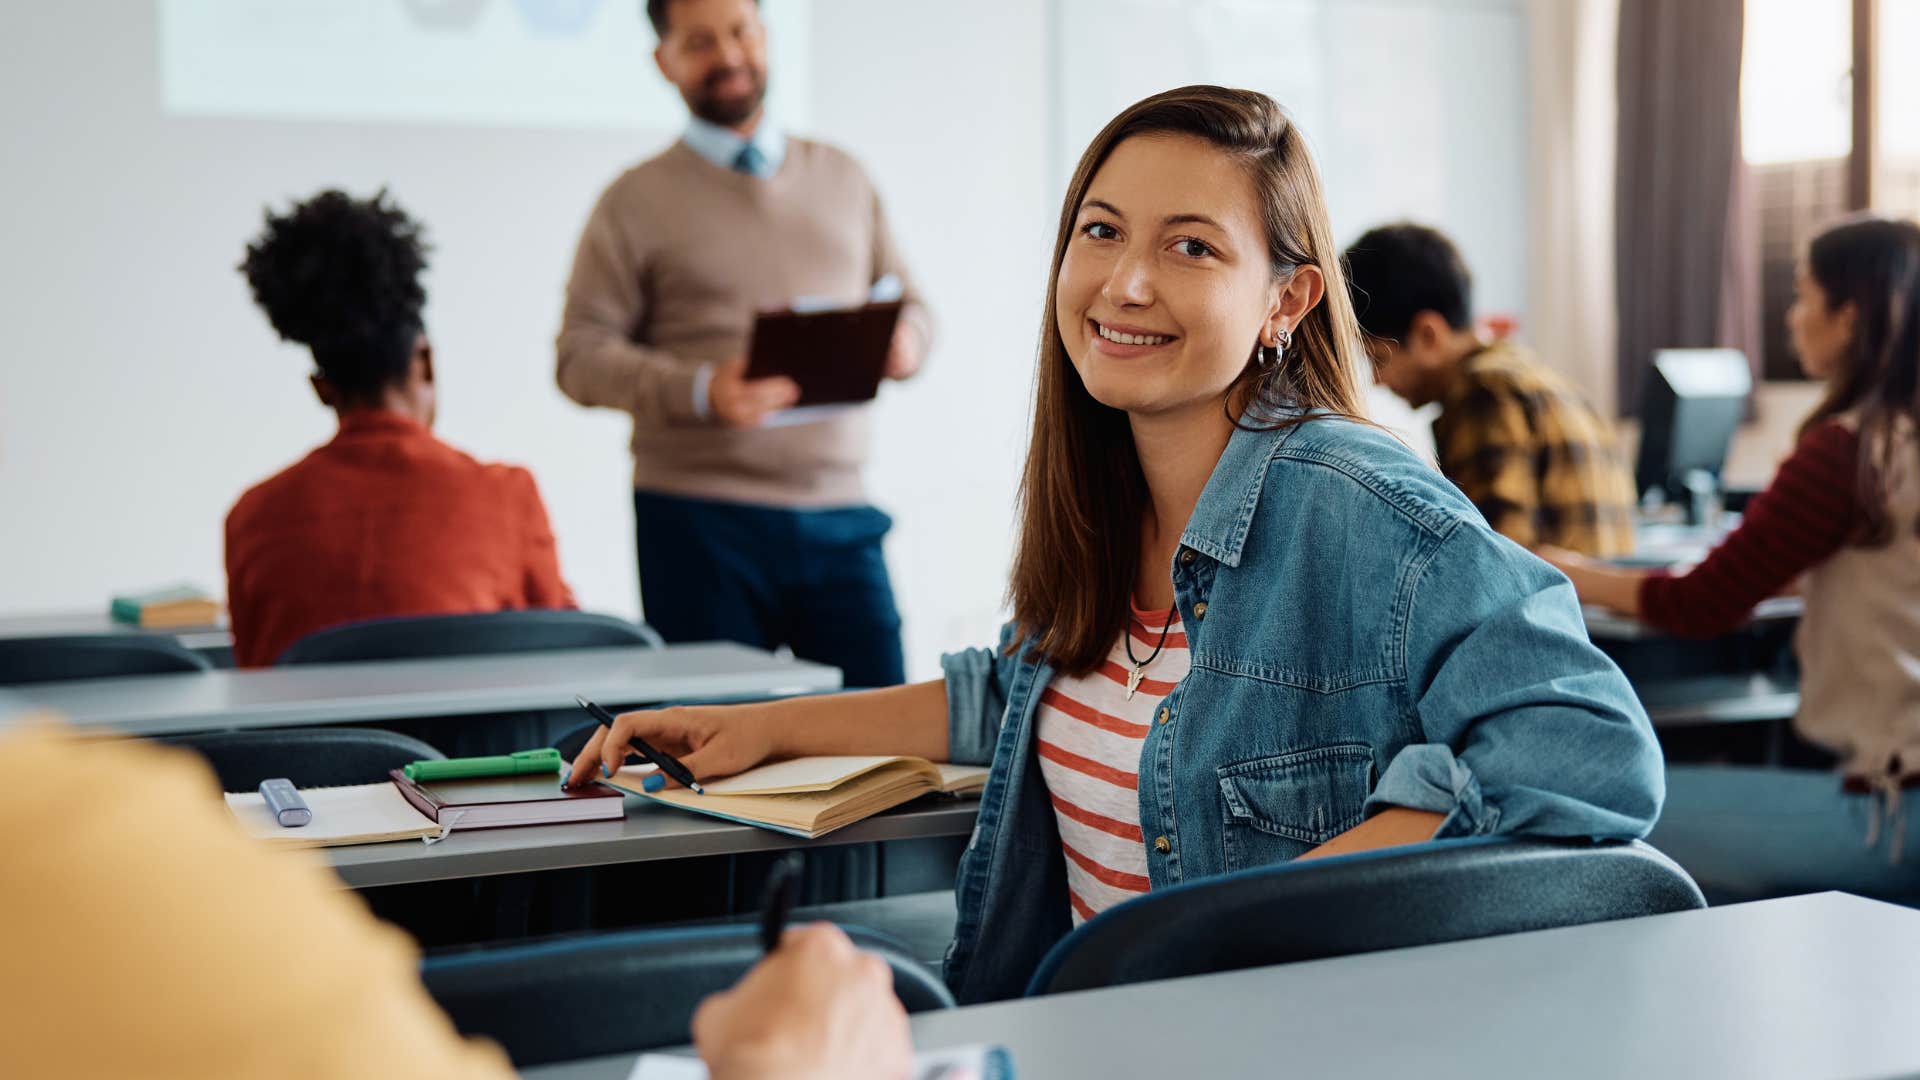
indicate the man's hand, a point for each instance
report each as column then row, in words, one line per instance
column 740, row 402
column 815, row 1008
column 906, row 353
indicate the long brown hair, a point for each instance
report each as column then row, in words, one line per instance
column 1874, row 264
column 1082, row 494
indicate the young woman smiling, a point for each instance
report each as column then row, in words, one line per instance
column 1247, row 626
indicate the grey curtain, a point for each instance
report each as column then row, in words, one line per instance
column 1686, row 238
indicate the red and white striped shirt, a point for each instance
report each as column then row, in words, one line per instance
column 1090, row 742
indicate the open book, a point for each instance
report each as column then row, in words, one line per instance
column 813, row 796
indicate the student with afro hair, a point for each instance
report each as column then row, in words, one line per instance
column 384, row 519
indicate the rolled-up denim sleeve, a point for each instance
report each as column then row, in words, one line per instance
column 1528, row 728
column 977, row 681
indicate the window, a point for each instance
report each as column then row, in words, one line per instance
column 1795, row 81
column 1804, row 74
column 1896, row 108
column 1796, row 120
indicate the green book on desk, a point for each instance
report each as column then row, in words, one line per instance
column 160, row 609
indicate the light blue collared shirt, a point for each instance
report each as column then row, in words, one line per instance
column 722, row 146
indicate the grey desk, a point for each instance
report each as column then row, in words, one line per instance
column 1718, row 699
column 213, row 642
column 1814, row 986
column 1606, row 625
column 1693, row 683
column 649, row 832
column 409, row 689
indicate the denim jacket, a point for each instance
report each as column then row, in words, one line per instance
column 1360, row 639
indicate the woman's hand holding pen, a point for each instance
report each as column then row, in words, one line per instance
column 709, row 740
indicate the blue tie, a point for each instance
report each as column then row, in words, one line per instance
column 750, row 160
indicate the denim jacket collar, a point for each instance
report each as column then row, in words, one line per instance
column 1218, row 527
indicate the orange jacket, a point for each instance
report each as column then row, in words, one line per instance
column 384, row 520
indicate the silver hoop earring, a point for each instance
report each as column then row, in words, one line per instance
column 1286, row 342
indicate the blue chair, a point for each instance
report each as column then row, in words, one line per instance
column 93, row 656
column 415, row 636
column 1395, row 898
column 310, row 757
column 619, row 993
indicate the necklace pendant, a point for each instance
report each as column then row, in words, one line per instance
column 1133, row 679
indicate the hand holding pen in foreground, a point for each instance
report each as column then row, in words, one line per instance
column 816, row 1007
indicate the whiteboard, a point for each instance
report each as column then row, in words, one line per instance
column 516, row 63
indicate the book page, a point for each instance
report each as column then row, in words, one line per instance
column 961, row 779
column 358, row 814
column 799, row 775
column 886, row 783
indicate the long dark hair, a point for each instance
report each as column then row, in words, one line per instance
column 1083, row 493
column 1872, row 263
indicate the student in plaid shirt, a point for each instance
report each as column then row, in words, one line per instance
column 1515, row 437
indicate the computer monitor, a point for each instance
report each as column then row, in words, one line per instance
column 1690, row 407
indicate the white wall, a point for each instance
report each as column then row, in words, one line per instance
column 142, row 390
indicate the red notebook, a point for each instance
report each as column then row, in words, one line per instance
column 498, row 801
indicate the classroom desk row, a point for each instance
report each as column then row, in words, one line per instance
column 213, row 642
column 1820, row 985
column 650, row 832
column 407, row 689
column 392, row 690
column 1601, row 624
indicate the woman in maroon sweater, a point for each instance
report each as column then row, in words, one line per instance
column 1842, row 517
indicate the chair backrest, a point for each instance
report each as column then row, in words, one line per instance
column 1421, row 894
column 416, row 636
column 620, row 993
column 310, row 757
column 93, row 656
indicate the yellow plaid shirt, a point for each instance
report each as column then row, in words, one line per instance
column 1533, row 456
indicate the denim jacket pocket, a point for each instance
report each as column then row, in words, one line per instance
column 1276, row 808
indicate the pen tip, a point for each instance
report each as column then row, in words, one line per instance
column 582, row 701
column 698, row 790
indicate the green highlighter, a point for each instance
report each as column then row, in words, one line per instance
column 520, row 763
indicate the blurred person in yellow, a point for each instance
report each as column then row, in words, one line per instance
column 144, row 935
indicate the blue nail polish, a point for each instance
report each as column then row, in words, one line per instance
column 653, row 782
column 605, row 772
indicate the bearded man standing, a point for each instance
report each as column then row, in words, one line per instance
column 751, row 521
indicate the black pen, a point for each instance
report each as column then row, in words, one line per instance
column 666, row 762
column 783, row 889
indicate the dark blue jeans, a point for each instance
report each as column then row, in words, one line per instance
column 812, row 580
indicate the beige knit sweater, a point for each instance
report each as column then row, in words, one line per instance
column 676, row 259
